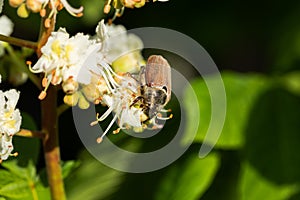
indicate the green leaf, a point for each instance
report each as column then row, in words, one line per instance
column 21, row 183
column 241, row 91
column 272, row 136
column 92, row 179
column 292, row 82
column 7, row 177
column 17, row 190
column 43, row 192
column 68, row 167
column 253, row 185
column 188, row 179
column 15, row 169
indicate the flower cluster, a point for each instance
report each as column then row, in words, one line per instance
column 97, row 70
column 39, row 6
column 119, row 5
column 10, row 121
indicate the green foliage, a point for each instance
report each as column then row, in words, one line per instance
column 241, row 92
column 21, row 182
column 188, row 179
column 272, row 136
column 92, row 180
column 24, row 183
column 253, row 185
column 262, row 124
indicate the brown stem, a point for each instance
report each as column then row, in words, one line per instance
column 51, row 146
column 50, row 126
column 18, row 42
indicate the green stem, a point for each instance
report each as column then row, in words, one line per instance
column 33, row 191
column 23, row 66
column 18, row 42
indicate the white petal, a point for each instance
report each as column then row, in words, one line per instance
column 6, row 146
column 130, row 117
column 88, row 64
column 12, row 98
column 101, row 31
column 6, row 25
column 108, row 100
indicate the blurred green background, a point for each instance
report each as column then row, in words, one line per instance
column 256, row 46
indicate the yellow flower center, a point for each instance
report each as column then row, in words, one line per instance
column 56, row 47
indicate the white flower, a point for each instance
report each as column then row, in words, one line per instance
column 6, row 29
column 119, row 101
column 66, row 58
column 116, row 41
column 52, row 53
column 65, row 4
column 63, row 57
column 6, row 25
column 10, row 121
column 70, row 9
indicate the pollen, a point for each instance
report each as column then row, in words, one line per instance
column 99, row 140
column 43, row 12
column 44, row 82
column 47, row 23
column 14, row 154
column 42, row 95
column 106, row 9
column 117, row 131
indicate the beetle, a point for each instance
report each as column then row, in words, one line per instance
column 154, row 87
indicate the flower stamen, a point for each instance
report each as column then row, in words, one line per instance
column 100, row 139
column 107, row 7
column 76, row 12
column 160, row 117
column 29, row 63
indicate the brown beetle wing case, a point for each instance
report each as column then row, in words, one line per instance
column 158, row 74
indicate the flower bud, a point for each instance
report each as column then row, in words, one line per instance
column 70, row 86
column 22, row 11
column 91, row 92
column 34, row 5
column 83, row 103
column 71, row 99
column 15, row 3
column 130, row 62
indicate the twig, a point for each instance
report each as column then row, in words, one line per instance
column 29, row 133
column 18, row 42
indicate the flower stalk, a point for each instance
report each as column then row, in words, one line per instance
column 50, row 126
column 18, row 42
column 51, row 146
